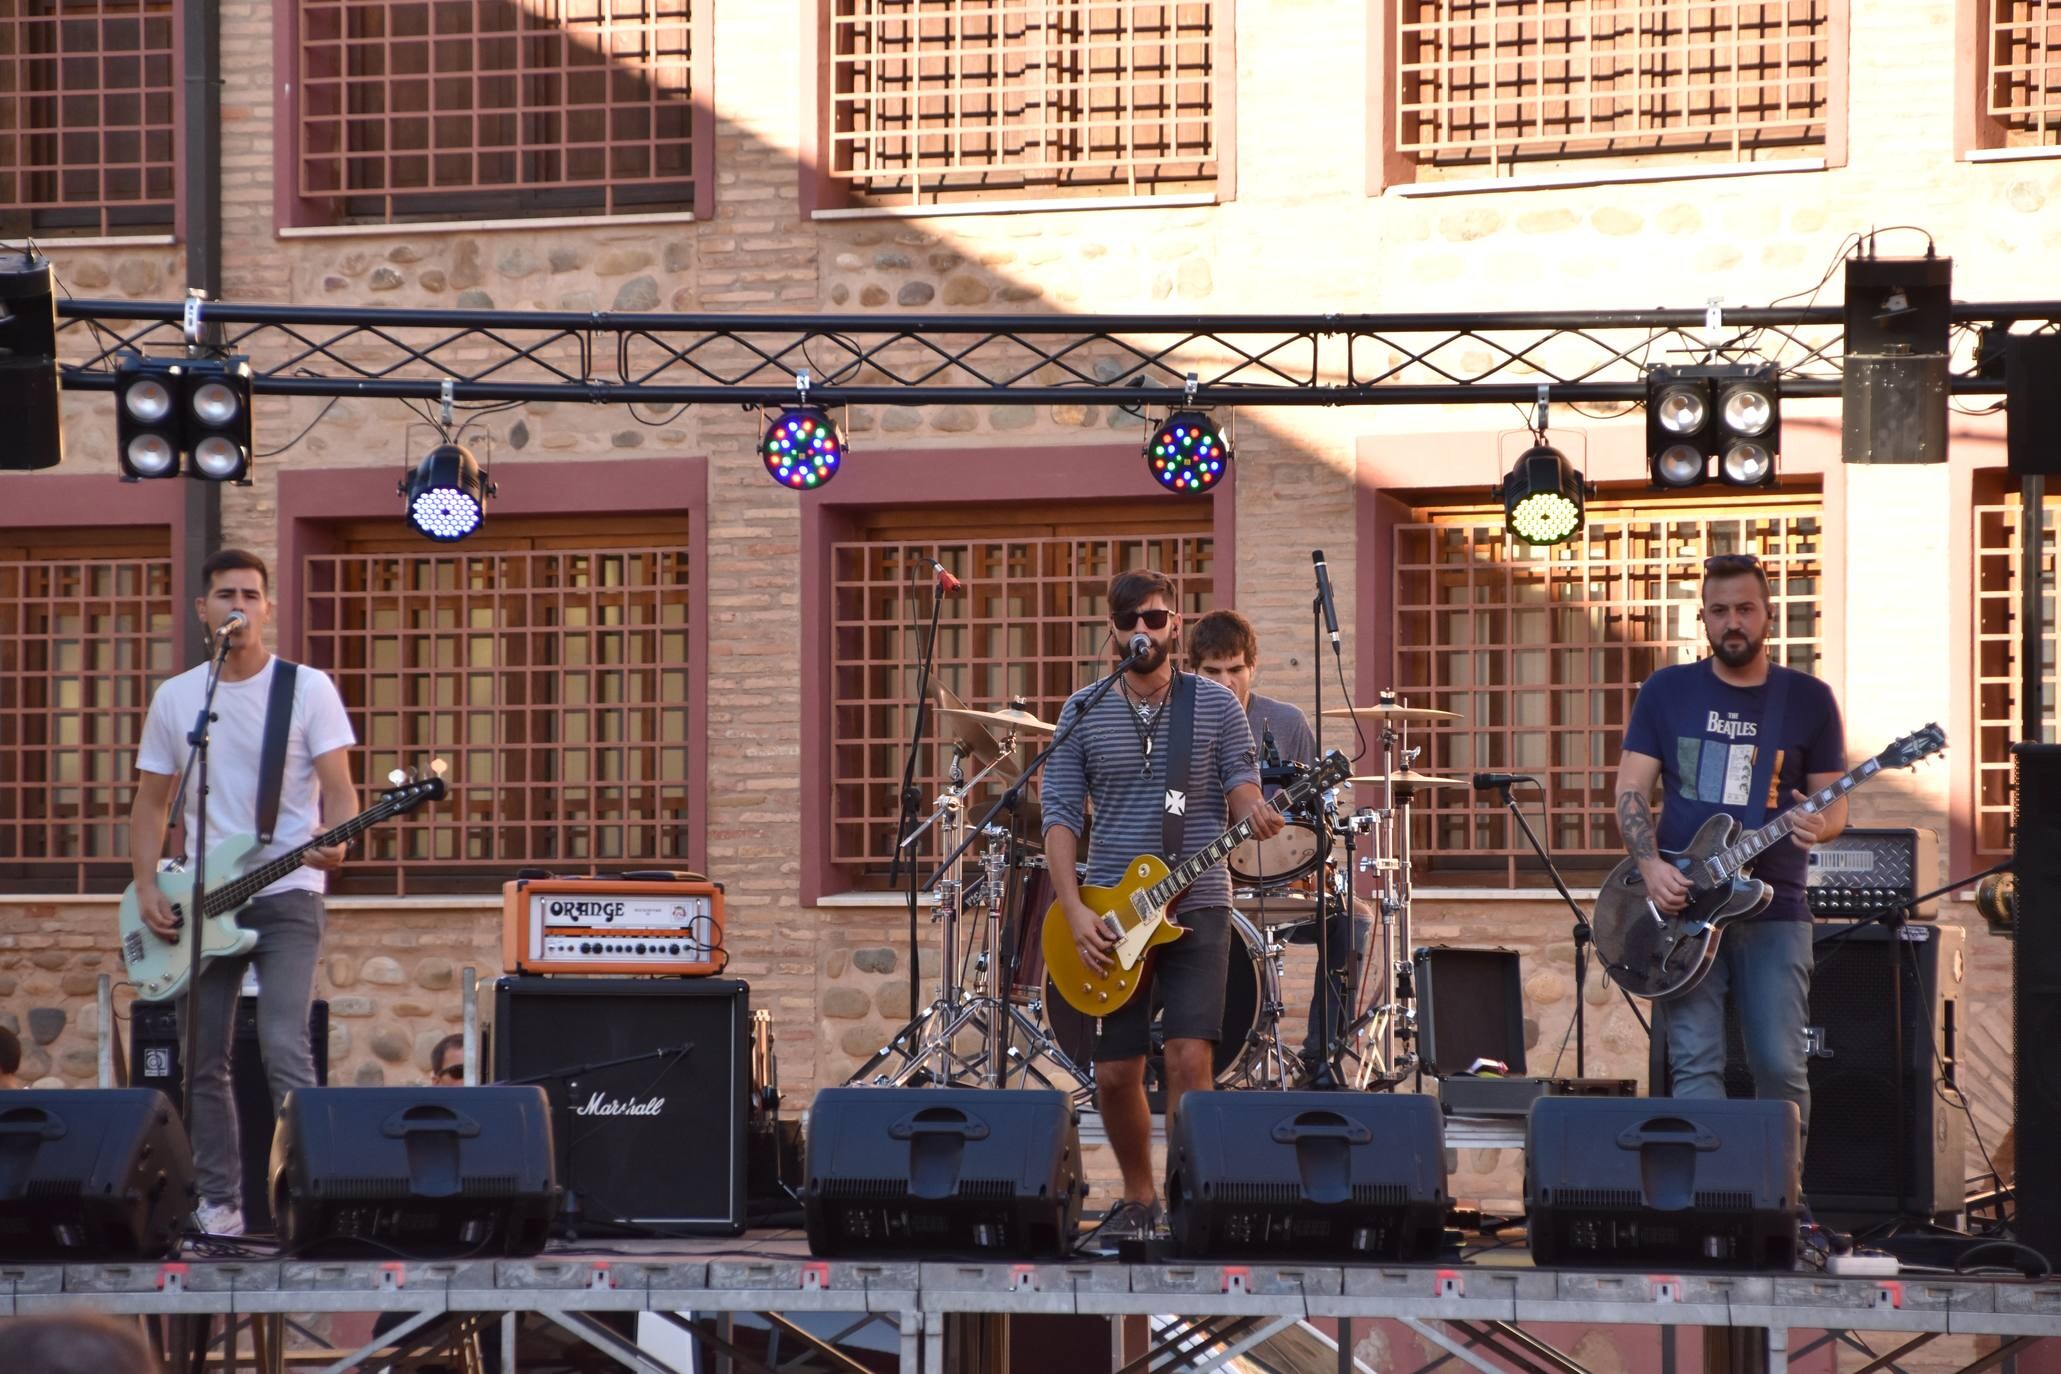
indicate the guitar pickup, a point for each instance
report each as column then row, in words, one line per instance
column 1113, row 926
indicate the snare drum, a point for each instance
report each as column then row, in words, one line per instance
column 1252, row 984
column 1283, row 859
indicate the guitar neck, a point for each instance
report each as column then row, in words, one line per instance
column 1214, row 853
column 245, row 886
column 1729, row 862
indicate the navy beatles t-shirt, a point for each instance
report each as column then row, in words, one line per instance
column 1707, row 734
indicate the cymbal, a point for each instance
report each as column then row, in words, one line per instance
column 1410, row 778
column 982, row 748
column 1006, row 719
column 1390, row 711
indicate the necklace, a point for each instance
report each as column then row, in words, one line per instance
column 1145, row 715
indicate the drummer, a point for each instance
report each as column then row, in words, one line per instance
column 1224, row 646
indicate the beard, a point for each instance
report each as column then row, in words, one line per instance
column 1149, row 664
column 1736, row 651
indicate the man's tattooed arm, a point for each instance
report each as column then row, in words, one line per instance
column 1635, row 822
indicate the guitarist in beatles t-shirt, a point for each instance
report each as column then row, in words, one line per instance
column 288, row 915
column 1702, row 731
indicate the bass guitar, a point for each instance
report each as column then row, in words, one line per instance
column 161, row 967
column 1141, row 907
column 1652, row 953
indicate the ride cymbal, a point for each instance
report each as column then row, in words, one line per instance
column 1390, row 711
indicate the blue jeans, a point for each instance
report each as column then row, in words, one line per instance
column 289, row 926
column 1766, row 966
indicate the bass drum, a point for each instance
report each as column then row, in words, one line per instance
column 1252, row 985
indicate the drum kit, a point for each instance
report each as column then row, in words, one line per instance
column 994, row 1021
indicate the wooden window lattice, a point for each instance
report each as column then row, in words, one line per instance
column 1034, row 624
column 554, row 681
column 416, row 109
column 2022, row 86
column 1997, row 724
column 1542, row 652
column 84, row 643
column 935, row 99
column 1502, row 81
column 87, row 117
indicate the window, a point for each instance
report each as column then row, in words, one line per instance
column 1541, row 652
column 1033, row 624
column 2020, row 65
column 1996, row 663
column 551, row 671
column 940, row 100
column 472, row 109
column 85, row 638
column 86, row 118
column 1489, row 84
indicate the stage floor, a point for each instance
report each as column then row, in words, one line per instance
column 772, row 1272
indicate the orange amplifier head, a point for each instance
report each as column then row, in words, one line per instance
column 644, row 924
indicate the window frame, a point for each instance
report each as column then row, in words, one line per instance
column 1978, row 135
column 1391, row 169
column 1099, row 473
column 295, row 214
column 825, row 195
column 315, row 505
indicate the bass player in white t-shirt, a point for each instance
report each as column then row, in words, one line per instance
column 287, row 916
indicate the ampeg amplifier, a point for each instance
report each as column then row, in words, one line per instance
column 1872, row 873
column 651, row 922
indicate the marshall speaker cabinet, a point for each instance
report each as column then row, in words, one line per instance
column 648, row 1081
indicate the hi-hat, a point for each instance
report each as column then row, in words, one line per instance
column 1409, row 778
column 1008, row 719
column 982, row 748
column 1388, row 710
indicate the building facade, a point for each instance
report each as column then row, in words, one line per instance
column 654, row 657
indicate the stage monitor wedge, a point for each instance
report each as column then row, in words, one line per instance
column 93, row 1175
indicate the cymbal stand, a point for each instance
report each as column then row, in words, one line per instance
column 1391, row 1024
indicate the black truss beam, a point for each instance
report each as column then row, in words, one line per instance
column 1434, row 358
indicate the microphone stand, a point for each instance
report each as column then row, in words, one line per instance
column 912, row 799
column 1323, row 1075
column 197, row 900
column 1013, row 794
column 569, row 1212
column 1582, row 933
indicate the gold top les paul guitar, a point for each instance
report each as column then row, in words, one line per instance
column 1142, row 906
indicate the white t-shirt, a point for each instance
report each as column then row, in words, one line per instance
column 235, row 746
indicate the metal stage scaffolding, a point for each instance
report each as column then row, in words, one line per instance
column 1469, row 1311
column 920, row 360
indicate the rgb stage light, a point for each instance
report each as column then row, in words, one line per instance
column 802, row 448
column 1187, row 454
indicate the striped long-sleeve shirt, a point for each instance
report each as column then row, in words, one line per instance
column 1104, row 761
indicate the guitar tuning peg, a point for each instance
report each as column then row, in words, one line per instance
column 439, row 767
column 396, row 777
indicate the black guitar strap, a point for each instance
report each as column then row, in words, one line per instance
column 1173, row 815
column 272, row 761
column 1757, row 809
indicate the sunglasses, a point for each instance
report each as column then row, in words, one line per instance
column 1128, row 620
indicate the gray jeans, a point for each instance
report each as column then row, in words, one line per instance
column 289, row 927
column 1766, row 965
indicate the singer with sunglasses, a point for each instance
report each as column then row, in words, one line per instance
column 1117, row 760
column 1733, row 733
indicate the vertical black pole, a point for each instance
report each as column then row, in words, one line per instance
column 200, row 194
column 2031, row 598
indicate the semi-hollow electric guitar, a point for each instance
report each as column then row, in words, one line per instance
column 1142, row 906
column 1657, row 954
column 160, row 967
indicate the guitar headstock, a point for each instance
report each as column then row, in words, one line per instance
column 1333, row 769
column 1919, row 744
column 411, row 788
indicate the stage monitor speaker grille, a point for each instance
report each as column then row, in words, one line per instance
column 656, row 1143
column 2036, row 991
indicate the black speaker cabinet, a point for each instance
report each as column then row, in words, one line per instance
column 155, row 1044
column 649, row 1137
column 933, row 1171
column 1850, row 1162
column 2032, row 375
column 422, row 1172
column 1470, row 1005
column 90, row 1175
column 1636, row 1181
column 1308, row 1175
column 2036, row 991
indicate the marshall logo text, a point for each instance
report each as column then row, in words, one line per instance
column 601, row 1105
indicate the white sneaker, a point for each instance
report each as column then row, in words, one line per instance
column 219, row 1218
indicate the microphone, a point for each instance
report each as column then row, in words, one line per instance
column 946, row 583
column 234, row 619
column 1324, row 593
column 1141, row 645
column 1271, row 753
column 1484, row 782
